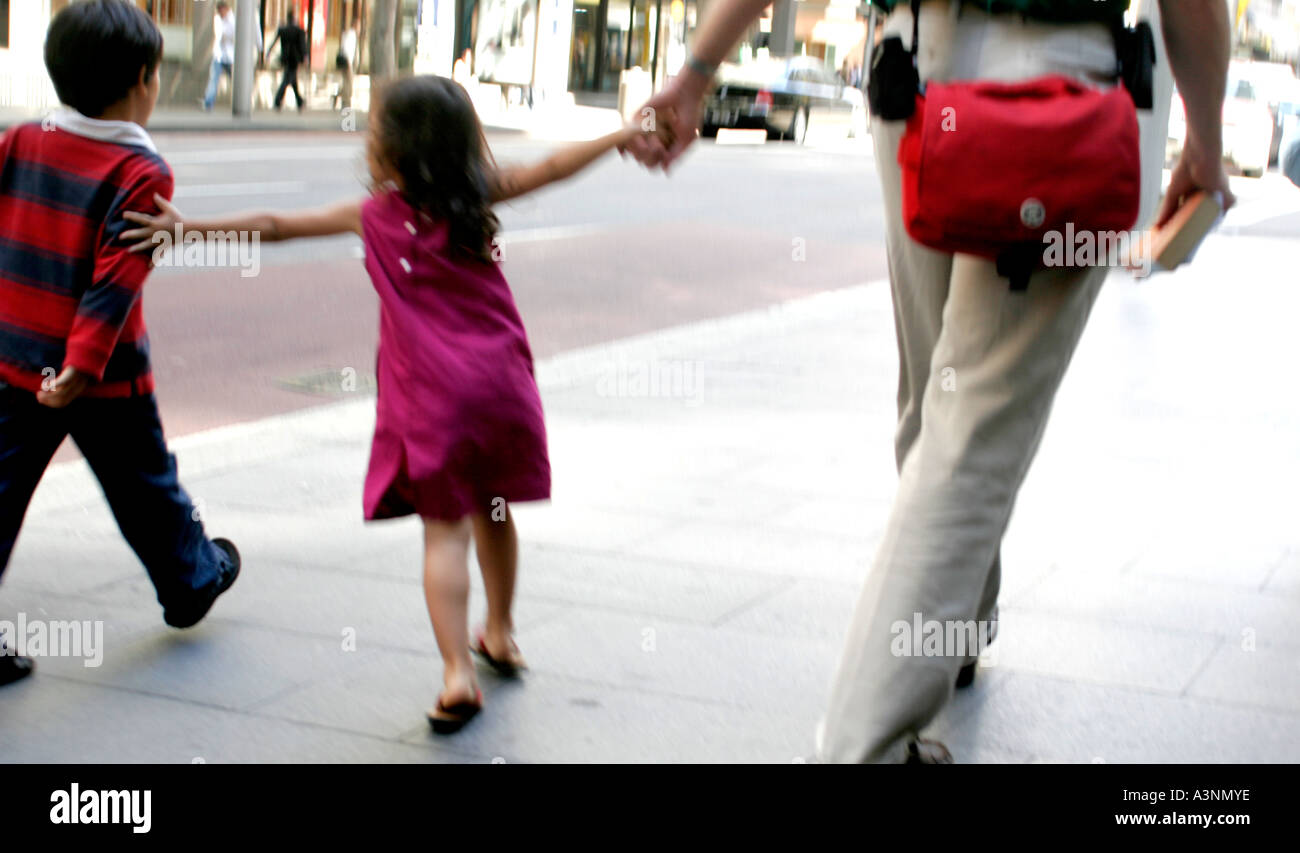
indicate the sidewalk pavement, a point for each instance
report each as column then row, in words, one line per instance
column 684, row 595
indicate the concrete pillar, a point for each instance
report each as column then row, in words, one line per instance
column 246, row 24
column 781, row 42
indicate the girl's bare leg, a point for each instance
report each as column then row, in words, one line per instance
column 446, row 592
column 497, row 544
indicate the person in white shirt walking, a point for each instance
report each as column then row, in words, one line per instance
column 223, row 50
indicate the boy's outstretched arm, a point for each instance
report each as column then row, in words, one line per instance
column 270, row 227
column 514, row 181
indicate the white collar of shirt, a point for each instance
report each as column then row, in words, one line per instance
column 121, row 132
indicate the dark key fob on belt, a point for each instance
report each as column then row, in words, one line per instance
column 892, row 87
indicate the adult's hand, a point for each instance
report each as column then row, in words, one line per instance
column 1196, row 169
column 670, row 120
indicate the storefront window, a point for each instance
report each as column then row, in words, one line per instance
column 408, row 21
column 625, row 35
column 507, row 30
column 168, row 11
column 612, row 35
column 583, row 52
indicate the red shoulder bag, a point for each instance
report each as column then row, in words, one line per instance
column 990, row 168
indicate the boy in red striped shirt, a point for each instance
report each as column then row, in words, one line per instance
column 74, row 353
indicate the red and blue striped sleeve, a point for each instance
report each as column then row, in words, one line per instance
column 119, row 275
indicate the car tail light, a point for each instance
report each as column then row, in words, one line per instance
column 1231, row 112
column 763, row 99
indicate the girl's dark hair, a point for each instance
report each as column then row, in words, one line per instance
column 95, row 50
column 428, row 133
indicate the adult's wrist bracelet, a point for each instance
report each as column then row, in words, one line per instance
column 700, row 67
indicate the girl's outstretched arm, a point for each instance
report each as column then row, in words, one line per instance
column 272, row 227
column 512, row 182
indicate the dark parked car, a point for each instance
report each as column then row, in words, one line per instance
column 784, row 97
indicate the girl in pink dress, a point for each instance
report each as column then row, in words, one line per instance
column 459, row 433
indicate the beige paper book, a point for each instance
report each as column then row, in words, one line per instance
column 1176, row 241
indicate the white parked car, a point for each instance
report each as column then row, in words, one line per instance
column 1276, row 85
column 1247, row 129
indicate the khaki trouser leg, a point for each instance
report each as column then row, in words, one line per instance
column 918, row 280
column 1008, row 352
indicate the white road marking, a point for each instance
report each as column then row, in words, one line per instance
column 307, row 153
column 734, row 136
column 559, row 232
column 259, row 188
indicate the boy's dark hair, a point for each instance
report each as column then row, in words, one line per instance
column 429, row 134
column 95, row 51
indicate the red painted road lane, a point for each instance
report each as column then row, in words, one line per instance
column 223, row 344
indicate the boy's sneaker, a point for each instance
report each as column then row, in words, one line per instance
column 191, row 615
column 13, row 667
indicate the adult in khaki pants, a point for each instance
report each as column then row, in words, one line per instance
column 963, row 447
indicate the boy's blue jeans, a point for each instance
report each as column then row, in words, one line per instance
column 214, row 79
column 122, row 440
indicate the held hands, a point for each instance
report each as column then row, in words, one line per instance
column 163, row 222
column 673, row 117
column 643, row 126
column 59, row 392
